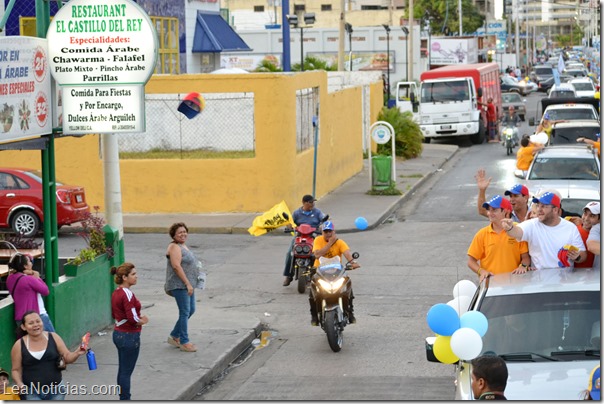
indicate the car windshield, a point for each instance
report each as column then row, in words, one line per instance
column 583, row 86
column 511, row 97
column 543, row 70
column 550, row 326
column 562, row 94
column 569, row 114
column 576, row 205
column 445, row 91
column 37, row 176
column 545, row 168
column 570, row 135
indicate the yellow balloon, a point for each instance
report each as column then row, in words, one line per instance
column 442, row 350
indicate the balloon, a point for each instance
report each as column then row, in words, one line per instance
column 361, row 223
column 460, row 304
column 476, row 321
column 442, row 350
column 539, row 138
column 464, row 288
column 466, row 343
column 442, row 319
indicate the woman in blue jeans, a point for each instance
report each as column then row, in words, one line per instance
column 181, row 278
column 126, row 310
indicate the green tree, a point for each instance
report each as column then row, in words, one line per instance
column 313, row 63
column 444, row 13
column 266, row 66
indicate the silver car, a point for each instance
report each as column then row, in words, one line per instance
column 546, row 325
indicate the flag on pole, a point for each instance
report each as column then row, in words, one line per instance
column 561, row 65
column 271, row 219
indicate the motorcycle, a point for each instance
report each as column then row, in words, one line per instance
column 329, row 286
column 302, row 256
column 509, row 133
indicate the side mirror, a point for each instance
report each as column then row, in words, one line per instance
column 355, row 255
column 531, row 121
column 430, row 350
column 519, row 174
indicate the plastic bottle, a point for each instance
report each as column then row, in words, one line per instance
column 91, row 359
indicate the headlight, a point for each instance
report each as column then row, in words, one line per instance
column 298, row 249
column 306, row 249
column 508, row 131
column 331, row 287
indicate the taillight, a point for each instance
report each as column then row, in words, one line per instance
column 64, row 196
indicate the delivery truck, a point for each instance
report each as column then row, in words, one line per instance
column 452, row 100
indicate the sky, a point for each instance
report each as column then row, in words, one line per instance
column 498, row 9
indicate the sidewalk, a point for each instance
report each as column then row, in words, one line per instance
column 162, row 371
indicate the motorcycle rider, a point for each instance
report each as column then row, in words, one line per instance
column 328, row 245
column 511, row 119
column 310, row 215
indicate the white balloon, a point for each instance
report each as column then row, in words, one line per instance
column 464, row 288
column 460, row 304
column 539, row 138
column 466, row 343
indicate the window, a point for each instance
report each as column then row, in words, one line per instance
column 168, row 61
column 299, row 7
column 368, row 7
column 325, row 7
column 258, row 9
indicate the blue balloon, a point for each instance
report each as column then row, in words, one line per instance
column 476, row 321
column 443, row 319
column 361, row 223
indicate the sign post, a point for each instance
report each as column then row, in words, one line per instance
column 381, row 132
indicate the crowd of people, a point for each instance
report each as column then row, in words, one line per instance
column 520, row 238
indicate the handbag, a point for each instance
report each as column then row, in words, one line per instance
column 201, row 280
column 61, row 365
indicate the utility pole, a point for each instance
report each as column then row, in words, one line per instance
column 285, row 34
column 341, row 36
column 410, row 42
column 460, row 19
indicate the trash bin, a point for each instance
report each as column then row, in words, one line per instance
column 381, row 173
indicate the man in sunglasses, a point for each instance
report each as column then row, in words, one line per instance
column 310, row 215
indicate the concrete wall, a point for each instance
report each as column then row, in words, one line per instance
column 237, row 185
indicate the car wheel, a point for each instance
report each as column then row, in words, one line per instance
column 26, row 223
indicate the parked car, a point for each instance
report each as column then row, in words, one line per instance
column 541, row 72
column 561, row 167
column 545, row 85
column 562, row 90
column 584, row 87
column 545, row 324
column 21, row 207
column 512, row 84
column 567, row 132
column 514, row 100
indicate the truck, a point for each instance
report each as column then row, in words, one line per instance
column 452, row 100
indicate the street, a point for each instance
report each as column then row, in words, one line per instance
column 408, row 264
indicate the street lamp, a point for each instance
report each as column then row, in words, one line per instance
column 309, row 20
column 406, row 31
column 429, row 30
column 348, row 28
column 387, row 28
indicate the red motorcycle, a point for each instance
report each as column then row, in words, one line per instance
column 302, row 256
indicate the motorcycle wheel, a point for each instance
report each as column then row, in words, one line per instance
column 301, row 283
column 509, row 151
column 334, row 333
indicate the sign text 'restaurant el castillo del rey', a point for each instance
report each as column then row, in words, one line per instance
column 102, row 53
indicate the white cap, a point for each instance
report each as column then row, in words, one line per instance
column 594, row 207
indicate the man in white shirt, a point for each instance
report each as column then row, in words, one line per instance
column 547, row 234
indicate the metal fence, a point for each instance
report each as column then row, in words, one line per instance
column 225, row 125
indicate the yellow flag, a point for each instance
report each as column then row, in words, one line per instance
column 271, row 219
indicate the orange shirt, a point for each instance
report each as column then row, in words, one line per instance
column 335, row 250
column 524, row 157
column 597, row 146
column 497, row 253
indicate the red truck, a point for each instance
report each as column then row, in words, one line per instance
column 450, row 100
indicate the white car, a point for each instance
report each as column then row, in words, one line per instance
column 562, row 90
column 584, row 87
column 545, row 324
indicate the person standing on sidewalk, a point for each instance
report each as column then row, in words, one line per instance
column 181, row 278
column 126, row 310
column 491, row 120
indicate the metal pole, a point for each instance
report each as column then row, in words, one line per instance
column 350, row 44
column 285, row 33
column 410, row 48
column 341, row 36
column 388, row 56
column 111, row 172
column 460, row 19
column 406, row 61
column 301, row 49
column 429, row 46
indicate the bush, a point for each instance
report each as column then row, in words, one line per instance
column 407, row 133
column 94, row 235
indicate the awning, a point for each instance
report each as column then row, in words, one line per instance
column 213, row 35
column 32, row 144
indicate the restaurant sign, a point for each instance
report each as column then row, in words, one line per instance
column 24, row 88
column 102, row 53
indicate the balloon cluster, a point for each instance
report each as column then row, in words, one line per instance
column 458, row 331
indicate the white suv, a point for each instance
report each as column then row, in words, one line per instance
column 584, row 87
column 545, row 324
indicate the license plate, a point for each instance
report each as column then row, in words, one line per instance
column 445, row 126
column 79, row 198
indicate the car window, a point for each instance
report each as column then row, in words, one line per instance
column 576, row 205
column 569, row 135
column 549, row 324
column 561, row 94
column 543, row 70
column 511, row 97
column 583, row 86
column 545, row 168
column 571, row 114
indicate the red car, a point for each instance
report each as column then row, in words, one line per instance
column 21, row 201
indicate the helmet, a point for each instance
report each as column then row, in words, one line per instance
column 328, row 225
